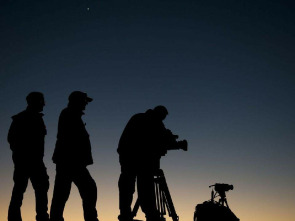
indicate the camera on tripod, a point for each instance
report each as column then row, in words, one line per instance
column 222, row 187
column 172, row 142
column 216, row 210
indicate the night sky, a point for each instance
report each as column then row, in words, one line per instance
column 224, row 70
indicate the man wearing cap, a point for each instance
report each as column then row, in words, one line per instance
column 140, row 149
column 26, row 138
column 72, row 155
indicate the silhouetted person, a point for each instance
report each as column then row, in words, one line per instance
column 72, row 155
column 140, row 148
column 26, row 138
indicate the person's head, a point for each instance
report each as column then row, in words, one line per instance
column 160, row 112
column 35, row 101
column 79, row 100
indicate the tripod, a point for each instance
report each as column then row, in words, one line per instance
column 221, row 188
column 163, row 198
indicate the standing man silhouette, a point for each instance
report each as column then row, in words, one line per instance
column 72, row 155
column 26, row 138
column 140, row 148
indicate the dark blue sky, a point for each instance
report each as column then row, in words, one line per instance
column 224, row 69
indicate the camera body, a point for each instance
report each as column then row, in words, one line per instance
column 179, row 145
column 222, row 187
column 172, row 143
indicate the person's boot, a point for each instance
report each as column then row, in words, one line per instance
column 154, row 217
column 44, row 217
column 125, row 217
column 14, row 214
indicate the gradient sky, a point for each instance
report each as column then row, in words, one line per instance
column 224, row 69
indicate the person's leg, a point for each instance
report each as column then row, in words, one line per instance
column 20, row 178
column 88, row 192
column 61, row 193
column 146, row 195
column 40, row 182
column 126, row 186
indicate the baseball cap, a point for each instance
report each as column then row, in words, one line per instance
column 79, row 95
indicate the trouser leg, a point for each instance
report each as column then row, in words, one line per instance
column 20, row 179
column 88, row 191
column 126, row 190
column 40, row 182
column 61, row 193
column 146, row 195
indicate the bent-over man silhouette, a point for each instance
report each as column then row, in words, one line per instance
column 72, row 155
column 26, row 138
column 140, row 148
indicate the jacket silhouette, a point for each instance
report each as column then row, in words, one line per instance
column 142, row 143
column 72, row 155
column 26, row 138
column 73, row 144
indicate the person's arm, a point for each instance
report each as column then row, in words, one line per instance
column 13, row 135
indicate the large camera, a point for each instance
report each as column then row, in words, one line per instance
column 173, row 143
column 179, row 145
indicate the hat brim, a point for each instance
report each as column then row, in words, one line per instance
column 88, row 99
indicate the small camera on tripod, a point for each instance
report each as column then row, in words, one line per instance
column 222, row 187
column 216, row 210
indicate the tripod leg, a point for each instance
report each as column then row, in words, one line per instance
column 147, row 195
column 163, row 208
column 225, row 200
column 158, row 197
column 160, row 200
column 167, row 197
column 163, row 199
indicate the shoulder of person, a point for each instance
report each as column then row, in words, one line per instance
column 20, row 116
